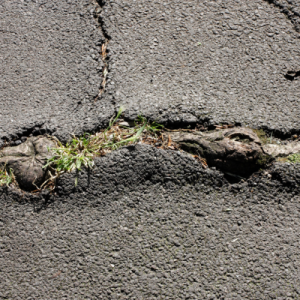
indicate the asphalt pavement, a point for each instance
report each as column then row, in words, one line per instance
column 147, row 223
column 177, row 62
column 51, row 69
column 153, row 224
column 209, row 61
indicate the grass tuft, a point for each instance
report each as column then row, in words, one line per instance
column 82, row 150
column 262, row 136
column 72, row 157
column 6, row 177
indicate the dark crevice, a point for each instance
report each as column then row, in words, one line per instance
column 233, row 178
column 200, row 124
column 291, row 75
column 104, row 51
column 207, row 124
column 22, row 135
column 101, row 4
column 279, row 133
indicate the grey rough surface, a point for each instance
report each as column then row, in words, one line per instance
column 118, row 240
column 146, row 223
column 235, row 75
column 51, row 69
column 291, row 8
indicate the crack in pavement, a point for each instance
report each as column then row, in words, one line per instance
column 291, row 75
column 227, row 71
column 51, row 69
column 225, row 148
column 148, row 223
column 103, row 55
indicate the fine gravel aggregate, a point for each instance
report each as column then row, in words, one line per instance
column 180, row 62
column 168, row 236
column 146, row 223
column 51, row 69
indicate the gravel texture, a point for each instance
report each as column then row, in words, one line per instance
column 218, row 61
column 291, row 8
column 147, row 223
column 178, row 62
column 51, row 69
column 154, row 239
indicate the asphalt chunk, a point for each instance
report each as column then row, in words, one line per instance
column 51, row 69
column 139, row 237
column 222, row 62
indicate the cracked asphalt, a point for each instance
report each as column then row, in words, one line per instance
column 147, row 223
column 153, row 224
column 51, row 69
column 214, row 61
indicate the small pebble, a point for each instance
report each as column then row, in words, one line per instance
column 125, row 124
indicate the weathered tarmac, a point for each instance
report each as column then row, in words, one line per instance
column 210, row 61
column 147, row 223
column 179, row 63
column 153, row 224
column 51, row 69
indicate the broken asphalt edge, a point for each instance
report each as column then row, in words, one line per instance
column 276, row 172
column 137, row 166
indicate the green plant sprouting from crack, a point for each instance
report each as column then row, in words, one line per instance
column 71, row 157
column 294, row 158
column 82, row 150
column 6, row 177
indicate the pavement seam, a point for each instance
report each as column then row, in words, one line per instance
column 103, row 55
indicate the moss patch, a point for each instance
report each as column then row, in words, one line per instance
column 192, row 148
column 294, row 158
column 264, row 160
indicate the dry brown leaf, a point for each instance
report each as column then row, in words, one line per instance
column 169, row 141
column 202, row 160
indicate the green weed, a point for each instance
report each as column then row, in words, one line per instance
column 6, row 177
column 152, row 128
column 72, row 156
column 113, row 121
column 294, row 158
column 261, row 135
column 81, row 150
